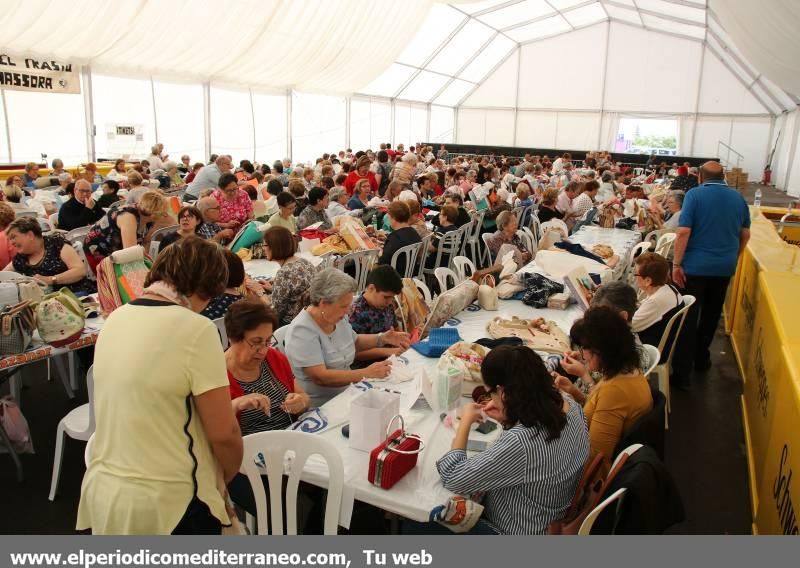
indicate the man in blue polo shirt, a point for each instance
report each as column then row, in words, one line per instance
column 713, row 230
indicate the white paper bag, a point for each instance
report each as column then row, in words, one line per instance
column 370, row 414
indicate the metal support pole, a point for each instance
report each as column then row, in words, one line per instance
column 603, row 86
column 8, row 127
column 253, row 121
column 516, row 94
column 697, row 98
column 207, row 117
column 428, row 123
column 391, row 126
column 348, row 119
column 289, row 123
column 88, row 107
column 155, row 114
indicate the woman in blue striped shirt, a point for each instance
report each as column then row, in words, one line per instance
column 529, row 475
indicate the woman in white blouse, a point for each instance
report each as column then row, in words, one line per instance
column 118, row 172
column 660, row 298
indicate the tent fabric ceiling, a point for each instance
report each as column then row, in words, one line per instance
column 455, row 29
column 748, row 23
column 310, row 45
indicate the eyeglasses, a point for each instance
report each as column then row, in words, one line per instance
column 260, row 344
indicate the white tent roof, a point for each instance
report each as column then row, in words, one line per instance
column 460, row 44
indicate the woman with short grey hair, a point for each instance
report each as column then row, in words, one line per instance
column 674, row 206
column 321, row 345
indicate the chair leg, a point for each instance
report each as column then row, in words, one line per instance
column 59, row 455
column 64, row 375
column 15, row 386
column 14, row 457
column 250, row 523
column 73, row 370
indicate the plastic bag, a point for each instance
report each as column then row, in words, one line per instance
column 15, row 425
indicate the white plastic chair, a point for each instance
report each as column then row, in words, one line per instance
column 77, row 235
column 629, row 451
column 423, row 256
column 527, row 240
column 426, row 292
column 79, row 425
column 410, row 252
column 662, row 370
column 442, row 274
column 486, row 237
column 6, row 275
column 280, row 338
column 46, row 225
column 471, row 240
column 363, row 261
column 87, row 453
column 460, row 266
column 54, row 219
column 665, row 244
column 78, row 246
column 273, row 446
column 654, row 355
column 155, row 241
column 629, row 266
column 449, row 246
column 588, row 522
column 223, row 333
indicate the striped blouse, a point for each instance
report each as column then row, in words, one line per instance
column 528, row 481
column 254, row 420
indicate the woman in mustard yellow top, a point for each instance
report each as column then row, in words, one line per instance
column 623, row 396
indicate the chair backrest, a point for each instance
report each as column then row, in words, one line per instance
column 155, row 240
column 223, row 333
column 423, row 255
column 523, row 215
column 527, row 240
column 78, row 246
column 653, row 236
column 442, row 275
column 672, row 338
column 280, row 338
column 462, row 264
column 77, row 235
column 665, row 244
column 90, row 392
column 46, row 225
column 486, row 237
column 649, row 429
column 54, row 219
column 25, row 213
column 536, row 228
column 629, row 451
column 426, row 292
column 475, row 227
column 363, row 261
column 410, row 252
column 615, row 498
column 653, row 355
column 273, row 446
column 450, row 246
column 87, row 452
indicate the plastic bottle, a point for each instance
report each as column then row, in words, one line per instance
column 757, row 200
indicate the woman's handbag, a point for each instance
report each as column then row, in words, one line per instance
column 487, row 293
column 395, row 456
column 17, row 323
column 60, row 318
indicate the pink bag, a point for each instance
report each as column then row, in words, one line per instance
column 15, row 425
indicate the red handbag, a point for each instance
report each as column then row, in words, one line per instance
column 394, row 457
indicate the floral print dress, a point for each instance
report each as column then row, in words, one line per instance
column 290, row 289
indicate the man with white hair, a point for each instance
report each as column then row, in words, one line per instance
column 154, row 159
column 208, row 177
column 210, row 228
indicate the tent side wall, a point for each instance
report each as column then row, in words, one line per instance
column 624, row 72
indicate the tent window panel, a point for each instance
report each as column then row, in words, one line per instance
column 46, row 123
column 360, row 124
column 318, row 126
column 3, row 139
column 179, row 111
column 647, row 135
column 270, row 115
column 442, row 121
column 123, row 102
column 231, row 123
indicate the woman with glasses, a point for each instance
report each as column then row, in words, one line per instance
column 529, row 475
column 606, row 346
column 189, row 219
column 661, row 300
column 235, row 207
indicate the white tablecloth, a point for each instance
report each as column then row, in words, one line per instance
column 421, row 490
column 263, row 269
column 621, row 240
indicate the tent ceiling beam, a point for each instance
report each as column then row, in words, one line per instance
column 463, row 67
column 494, row 8
column 433, row 55
column 489, row 74
column 548, row 16
column 471, row 17
column 577, row 28
column 741, row 80
column 571, row 27
column 663, row 16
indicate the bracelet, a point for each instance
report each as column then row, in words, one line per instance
column 379, row 342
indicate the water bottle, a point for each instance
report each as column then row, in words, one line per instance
column 757, row 200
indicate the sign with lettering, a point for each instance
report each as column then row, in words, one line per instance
column 40, row 75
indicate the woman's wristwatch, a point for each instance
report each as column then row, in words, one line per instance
column 52, row 281
column 379, row 341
